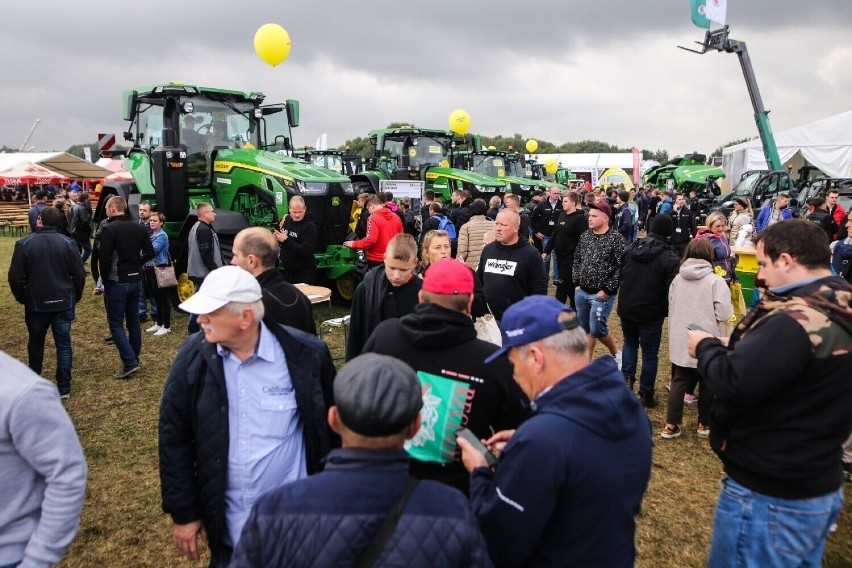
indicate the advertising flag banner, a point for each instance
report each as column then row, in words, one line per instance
column 698, row 13
column 716, row 11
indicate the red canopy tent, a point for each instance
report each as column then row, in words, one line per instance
column 29, row 173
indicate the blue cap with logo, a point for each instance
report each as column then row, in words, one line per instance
column 532, row 319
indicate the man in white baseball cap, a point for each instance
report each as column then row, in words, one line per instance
column 243, row 412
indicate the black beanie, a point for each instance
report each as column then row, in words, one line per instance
column 662, row 225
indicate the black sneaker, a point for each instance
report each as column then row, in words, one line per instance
column 126, row 372
column 143, row 318
column 64, row 395
column 109, row 340
column 847, row 472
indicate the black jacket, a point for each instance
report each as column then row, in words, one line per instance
column 822, row 219
column 299, row 248
column 461, row 214
column 569, row 228
column 46, row 273
column 510, row 273
column 442, row 342
column 647, row 269
column 783, row 391
column 123, row 247
column 684, row 220
column 543, row 217
column 284, row 303
column 193, row 428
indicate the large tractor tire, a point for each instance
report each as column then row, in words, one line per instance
column 343, row 289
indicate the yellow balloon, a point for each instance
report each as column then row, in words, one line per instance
column 551, row 166
column 492, row 147
column 532, row 146
column 272, row 43
column 459, row 121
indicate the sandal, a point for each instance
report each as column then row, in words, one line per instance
column 668, row 432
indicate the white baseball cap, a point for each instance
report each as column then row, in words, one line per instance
column 221, row 286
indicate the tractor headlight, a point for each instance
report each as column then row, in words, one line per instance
column 525, row 187
column 312, row 188
column 484, row 189
column 347, row 188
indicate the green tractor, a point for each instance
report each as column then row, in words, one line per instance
column 234, row 153
column 507, row 167
column 421, row 154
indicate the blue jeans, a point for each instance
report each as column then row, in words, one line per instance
column 84, row 244
column 143, row 302
column 546, row 263
column 60, row 324
column 593, row 313
column 122, row 301
column 751, row 529
column 647, row 336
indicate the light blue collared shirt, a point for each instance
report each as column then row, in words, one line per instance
column 266, row 447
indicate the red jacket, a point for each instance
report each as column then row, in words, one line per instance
column 839, row 216
column 382, row 226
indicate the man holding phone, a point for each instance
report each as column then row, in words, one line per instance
column 557, row 467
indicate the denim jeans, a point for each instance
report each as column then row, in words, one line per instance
column 552, row 256
column 647, row 336
column 593, row 313
column 144, row 298
column 84, row 244
column 122, row 301
column 751, row 529
column 60, row 324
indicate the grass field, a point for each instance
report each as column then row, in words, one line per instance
column 116, row 421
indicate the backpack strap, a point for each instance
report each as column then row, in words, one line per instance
column 371, row 554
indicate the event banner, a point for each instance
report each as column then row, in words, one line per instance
column 441, row 416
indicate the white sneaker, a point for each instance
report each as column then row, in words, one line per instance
column 163, row 331
column 617, row 358
column 154, row 328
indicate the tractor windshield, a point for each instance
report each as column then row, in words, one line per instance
column 516, row 169
column 493, row 166
column 328, row 161
column 415, row 150
column 216, row 124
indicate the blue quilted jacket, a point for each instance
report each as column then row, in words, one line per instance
column 328, row 519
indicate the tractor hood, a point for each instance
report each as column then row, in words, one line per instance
column 434, row 172
column 278, row 165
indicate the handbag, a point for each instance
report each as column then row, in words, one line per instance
column 165, row 275
column 487, row 328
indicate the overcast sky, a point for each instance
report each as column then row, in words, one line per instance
column 557, row 70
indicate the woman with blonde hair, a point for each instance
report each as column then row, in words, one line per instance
column 741, row 215
column 714, row 231
column 436, row 246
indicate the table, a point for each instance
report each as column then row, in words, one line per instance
column 316, row 294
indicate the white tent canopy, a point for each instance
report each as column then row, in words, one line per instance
column 826, row 144
column 63, row 163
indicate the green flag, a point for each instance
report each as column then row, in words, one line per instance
column 442, row 413
column 698, row 17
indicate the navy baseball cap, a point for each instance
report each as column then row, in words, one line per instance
column 532, row 319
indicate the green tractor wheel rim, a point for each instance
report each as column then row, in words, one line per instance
column 345, row 286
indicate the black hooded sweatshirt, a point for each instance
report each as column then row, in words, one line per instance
column 441, row 341
column 299, row 248
column 648, row 267
column 510, row 273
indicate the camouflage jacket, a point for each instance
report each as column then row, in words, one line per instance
column 783, row 391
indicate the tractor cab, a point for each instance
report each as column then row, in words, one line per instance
column 193, row 144
column 334, row 160
column 413, row 154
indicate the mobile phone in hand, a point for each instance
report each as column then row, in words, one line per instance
column 696, row 327
column 470, row 437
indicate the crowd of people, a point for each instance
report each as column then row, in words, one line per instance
column 432, row 446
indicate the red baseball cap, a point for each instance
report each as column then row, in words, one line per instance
column 448, row 276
